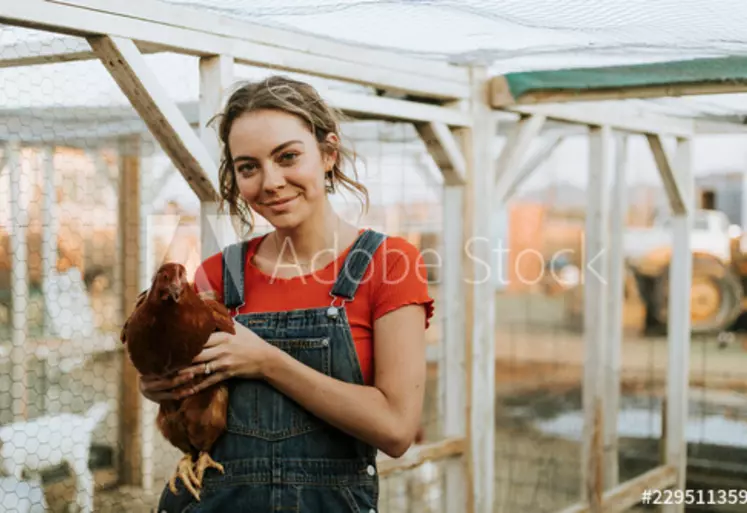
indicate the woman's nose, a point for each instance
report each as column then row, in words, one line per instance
column 274, row 178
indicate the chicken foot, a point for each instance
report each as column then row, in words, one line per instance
column 205, row 462
column 184, row 471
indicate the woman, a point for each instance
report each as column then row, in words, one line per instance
column 328, row 363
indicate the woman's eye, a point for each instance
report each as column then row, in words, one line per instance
column 245, row 169
column 288, row 157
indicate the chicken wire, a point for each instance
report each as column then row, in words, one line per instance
column 66, row 133
column 540, row 352
column 77, row 109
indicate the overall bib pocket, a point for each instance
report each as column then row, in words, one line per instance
column 257, row 409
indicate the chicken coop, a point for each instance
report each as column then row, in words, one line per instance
column 458, row 115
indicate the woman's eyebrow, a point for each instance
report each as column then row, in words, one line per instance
column 274, row 151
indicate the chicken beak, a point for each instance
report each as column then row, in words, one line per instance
column 175, row 291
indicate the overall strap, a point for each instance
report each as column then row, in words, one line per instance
column 234, row 264
column 356, row 264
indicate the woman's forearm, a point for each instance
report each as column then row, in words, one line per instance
column 361, row 411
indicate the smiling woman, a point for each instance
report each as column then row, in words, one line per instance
column 327, row 365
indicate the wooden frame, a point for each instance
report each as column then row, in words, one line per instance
column 600, row 490
column 120, row 32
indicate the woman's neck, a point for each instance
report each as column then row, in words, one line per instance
column 317, row 241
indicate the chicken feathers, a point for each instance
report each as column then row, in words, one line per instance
column 166, row 330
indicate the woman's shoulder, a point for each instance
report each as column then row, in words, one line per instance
column 398, row 276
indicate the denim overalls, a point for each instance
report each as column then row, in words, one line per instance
column 277, row 456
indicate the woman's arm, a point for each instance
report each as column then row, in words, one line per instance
column 386, row 415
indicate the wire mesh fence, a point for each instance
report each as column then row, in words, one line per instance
column 79, row 170
column 540, row 347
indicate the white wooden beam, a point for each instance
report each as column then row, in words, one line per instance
column 445, row 150
column 534, row 161
column 623, row 118
column 669, row 175
column 615, row 300
column 184, row 30
column 394, row 109
column 19, row 287
column 480, row 300
column 50, row 224
column 514, row 152
column 167, row 124
column 207, row 21
column 595, row 280
column 678, row 329
column 216, row 76
column 452, row 379
column 46, row 51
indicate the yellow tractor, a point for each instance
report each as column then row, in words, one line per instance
column 718, row 285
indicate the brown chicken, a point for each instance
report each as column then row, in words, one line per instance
column 167, row 329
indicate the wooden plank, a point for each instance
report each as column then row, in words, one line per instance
column 501, row 95
column 622, row 497
column 206, row 40
column 595, row 278
column 417, row 455
column 445, row 150
column 624, row 118
column 393, row 109
column 54, row 49
column 19, row 288
column 514, row 152
column 50, row 228
column 669, row 175
column 480, row 300
column 210, row 22
column 167, row 124
column 615, row 301
column 452, row 379
column 130, row 433
column 216, row 76
column 678, row 329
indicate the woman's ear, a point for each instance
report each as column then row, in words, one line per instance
column 330, row 156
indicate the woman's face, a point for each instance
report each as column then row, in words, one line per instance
column 279, row 166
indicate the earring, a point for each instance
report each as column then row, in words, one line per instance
column 330, row 184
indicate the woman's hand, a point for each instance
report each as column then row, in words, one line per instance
column 225, row 356
column 158, row 389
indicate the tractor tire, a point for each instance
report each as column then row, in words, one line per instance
column 715, row 296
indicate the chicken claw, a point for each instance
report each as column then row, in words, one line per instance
column 186, row 474
column 205, row 462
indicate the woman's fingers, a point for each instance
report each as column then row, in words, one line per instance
column 155, row 385
column 201, row 385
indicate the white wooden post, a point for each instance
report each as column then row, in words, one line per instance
column 216, row 75
column 19, row 287
column 680, row 281
column 480, row 299
column 596, row 241
column 452, row 376
column 49, row 225
column 615, row 300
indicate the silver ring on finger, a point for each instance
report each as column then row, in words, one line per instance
column 207, row 368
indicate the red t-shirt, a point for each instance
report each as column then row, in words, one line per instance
column 396, row 276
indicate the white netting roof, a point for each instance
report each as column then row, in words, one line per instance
column 513, row 34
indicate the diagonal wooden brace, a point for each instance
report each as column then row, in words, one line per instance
column 672, row 184
column 160, row 113
column 445, row 150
